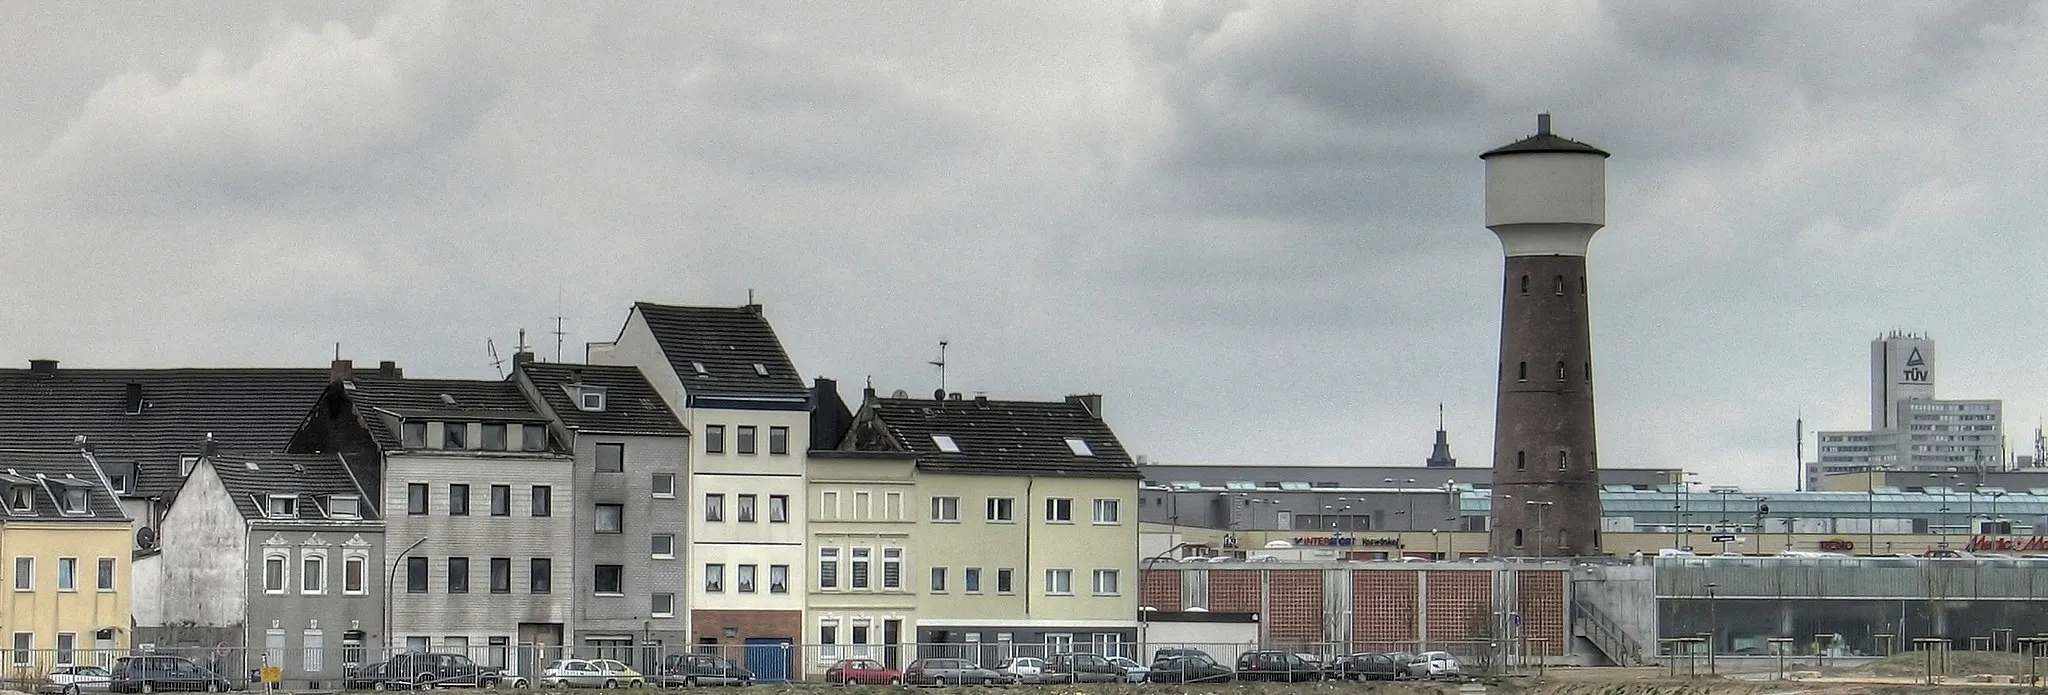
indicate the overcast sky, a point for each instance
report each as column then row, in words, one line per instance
column 1255, row 229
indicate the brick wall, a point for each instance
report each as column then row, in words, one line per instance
column 1161, row 590
column 1236, row 591
column 1383, row 606
column 1541, row 596
column 1460, row 605
column 1294, row 615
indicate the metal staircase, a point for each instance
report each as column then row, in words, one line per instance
column 1590, row 622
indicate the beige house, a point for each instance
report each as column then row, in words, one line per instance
column 863, row 595
column 1026, row 523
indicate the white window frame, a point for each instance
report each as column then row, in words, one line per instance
column 828, row 647
column 67, row 565
column 714, row 578
column 1064, row 505
column 1115, row 581
column 354, row 503
column 892, row 569
column 1006, row 505
column 113, row 576
column 714, row 507
column 860, row 564
column 945, row 443
column 24, row 580
column 67, row 648
column 938, row 580
column 654, row 483
column 654, row 546
column 24, row 648
column 1113, row 506
column 1056, row 576
column 1079, row 447
column 945, row 510
column 830, row 556
column 317, row 556
column 655, row 605
column 362, row 559
column 284, row 572
column 313, row 651
column 775, row 586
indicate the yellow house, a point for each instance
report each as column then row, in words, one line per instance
column 1027, row 530
column 64, row 549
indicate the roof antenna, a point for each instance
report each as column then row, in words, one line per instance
column 496, row 361
column 941, row 364
column 1439, row 417
column 559, row 333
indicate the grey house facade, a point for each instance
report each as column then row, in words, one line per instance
column 630, row 494
column 300, row 542
column 479, row 517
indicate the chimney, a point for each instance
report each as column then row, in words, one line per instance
column 954, row 396
column 981, row 401
column 1092, row 402
column 1542, row 124
column 341, row 370
column 207, row 448
column 754, row 309
column 131, row 399
column 867, row 395
column 42, row 367
column 522, row 357
column 389, row 370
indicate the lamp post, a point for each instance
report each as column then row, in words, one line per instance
column 1713, row 628
column 1870, row 517
column 389, row 582
column 1539, row 505
column 1941, row 515
column 1405, row 484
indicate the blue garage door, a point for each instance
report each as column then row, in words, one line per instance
column 768, row 658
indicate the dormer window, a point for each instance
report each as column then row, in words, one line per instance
column 1079, row 447
column 75, row 500
column 186, row 464
column 454, row 435
column 589, row 399
column 122, row 480
column 412, row 435
column 281, row 506
column 344, row 507
column 945, row 443
column 21, row 499
column 760, row 369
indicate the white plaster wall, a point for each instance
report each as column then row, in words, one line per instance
column 204, row 545
column 1546, row 188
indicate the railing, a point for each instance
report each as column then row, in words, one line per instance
column 1590, row 622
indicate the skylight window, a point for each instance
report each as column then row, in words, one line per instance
column 760, row 369
column 946, row 443
column 1079, row 447
column 699, row 366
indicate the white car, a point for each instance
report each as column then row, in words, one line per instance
column 1134, row 672
column 1023, row 670
column 1436, row 665
column 591, row 673
column 70, row 679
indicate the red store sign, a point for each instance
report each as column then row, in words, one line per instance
column 2009, row 543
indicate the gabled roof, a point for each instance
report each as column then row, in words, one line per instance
column 314, row 478
column 1000, row 437
column 254, row 409
column 463, row 400
column 43, row 475
column 631, row 406
column 728, row 342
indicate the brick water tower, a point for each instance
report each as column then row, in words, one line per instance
column 1545, row 197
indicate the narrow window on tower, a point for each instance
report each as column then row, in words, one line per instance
column 1589, row 372
column 1564, row 538
column 1558, row 282
column 1582, row 284
column 1521, row 460
column 1561, row 375
column 1518, row 538
column 1522, row 372
column 1564, row 458
column 1525, row 284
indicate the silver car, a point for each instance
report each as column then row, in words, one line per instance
column 591, row 673
column 70, row 679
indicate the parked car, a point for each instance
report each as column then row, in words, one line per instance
column 423, row 670
column 375, row 676
column 1284, row 667
column 1133, row 671
column 943, row 672
column 1436, row 665
column 70, row 679
column 862, row 672
column 1368, row 666
column 691, row 670
column 1075, row 667
column 1163, row 652
column 591, row 673
column 1023, row 670
column 1187, row 669
column 152, row 673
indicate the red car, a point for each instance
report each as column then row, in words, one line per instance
column 862, row 672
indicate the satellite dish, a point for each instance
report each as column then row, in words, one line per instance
column 900, row 393
column 939, row 395
column 145, row 538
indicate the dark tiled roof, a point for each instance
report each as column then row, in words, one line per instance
column 1004, row 437
column 465, row 400
column 251, row 409
column 728, row 341
column 313, row 477
column 45, row 474
column 1544, row 142
column 631, row 406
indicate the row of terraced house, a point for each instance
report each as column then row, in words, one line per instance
column 684, row 488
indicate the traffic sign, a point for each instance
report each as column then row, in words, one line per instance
column 273, row 674
column 1724, row 538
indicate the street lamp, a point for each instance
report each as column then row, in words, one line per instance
column 1941, row 515
column 1539, row 505
column 1713, row 629
column 389, row 582
column 1406, row 483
